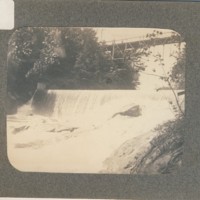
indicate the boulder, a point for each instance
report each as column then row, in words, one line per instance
column 133, row 111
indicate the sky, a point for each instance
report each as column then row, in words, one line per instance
column 111, row 34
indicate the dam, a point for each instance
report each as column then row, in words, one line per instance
column 75, row 131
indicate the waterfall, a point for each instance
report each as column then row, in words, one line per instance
column 65, row 104
column 82, row 122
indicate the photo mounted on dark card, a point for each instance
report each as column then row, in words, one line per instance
column 100, row 100
column 78, row 99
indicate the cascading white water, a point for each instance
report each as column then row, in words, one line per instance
column 71, row 103
column 69, row 141
column 80, row 132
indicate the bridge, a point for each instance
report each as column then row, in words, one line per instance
column 119, row 49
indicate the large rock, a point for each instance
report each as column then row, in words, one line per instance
column 157, row 152
column 133, row 111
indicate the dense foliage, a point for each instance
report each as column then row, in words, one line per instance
column 63, row 58
column 177, row 75
column 72, row 58
column 23, row 50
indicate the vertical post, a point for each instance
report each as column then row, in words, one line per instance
column 113, row 50
column 125, row 50
column 125, row 46
column 163, row 52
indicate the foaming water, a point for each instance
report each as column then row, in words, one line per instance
column 69, row 103
column 75, row 131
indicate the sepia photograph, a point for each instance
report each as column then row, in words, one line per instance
column 95, row 100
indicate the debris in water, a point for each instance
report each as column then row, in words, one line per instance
column 62, row 130
column 19, row 129
column 68, row 129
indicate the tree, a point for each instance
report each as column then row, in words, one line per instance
column 177, row 75
column 175, row 78
column 92, row 64
column 24, row 49
column 64, row 58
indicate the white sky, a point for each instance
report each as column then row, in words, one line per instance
column 111, row 34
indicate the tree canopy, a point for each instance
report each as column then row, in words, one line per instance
column 72, row 58
column 63, row 58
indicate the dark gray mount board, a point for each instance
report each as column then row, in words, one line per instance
column 183, row 17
